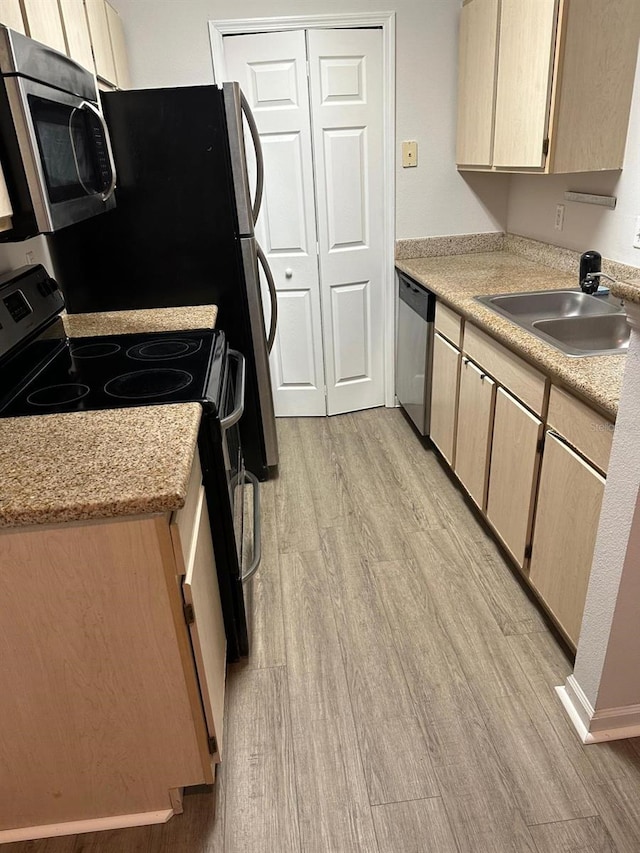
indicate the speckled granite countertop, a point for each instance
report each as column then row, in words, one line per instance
column 150, row 320
column 110, row 463
column 457, row 279
column 107, row 463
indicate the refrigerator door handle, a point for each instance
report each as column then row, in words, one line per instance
column 273, row 325
column 255, row 136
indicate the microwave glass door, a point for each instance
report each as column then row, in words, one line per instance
column 69, row 143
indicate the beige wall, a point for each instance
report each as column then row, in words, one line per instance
column 168, row 45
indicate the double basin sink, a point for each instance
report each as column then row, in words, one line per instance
column 574, row 322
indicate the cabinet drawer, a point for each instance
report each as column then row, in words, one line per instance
column 588, row 431
column 183, row 523
column 522, row 380
column 449, row 324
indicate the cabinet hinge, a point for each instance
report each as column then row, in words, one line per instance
column 527, row 552
column 189, row 615
column 213, row 745
column 545, row 146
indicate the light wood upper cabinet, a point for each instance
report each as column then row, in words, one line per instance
column 477, row 55
column 563, row 67
column 569, row 503
column 515, row 458
column 116, row 32
column 101, row 40
column 76, row 31
column 475, row 427
column 444, row 396
column 527, row 39
column 11, row 15
column 44, row 23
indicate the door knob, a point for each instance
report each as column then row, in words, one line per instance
column 288, row 272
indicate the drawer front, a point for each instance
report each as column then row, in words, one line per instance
column 589, row 432
column 183, row 522
column 449, row 324
column 523, row 381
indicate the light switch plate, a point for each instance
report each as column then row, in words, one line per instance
column 409, row 154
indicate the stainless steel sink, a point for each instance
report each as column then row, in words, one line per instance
column 574, row 322
column 597, row 334
column 550, row 303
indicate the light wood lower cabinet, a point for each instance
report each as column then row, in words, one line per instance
column 515, row 455
column 444, row 396
column 569, row 502
column 113, row 680
column 475, row 427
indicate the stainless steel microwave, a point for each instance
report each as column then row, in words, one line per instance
column 54, row 144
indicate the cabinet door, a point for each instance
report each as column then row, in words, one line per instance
column 116, row 31
column 513, row 473
column 76, row 31
column 525, row 65
column 567, row 517
column 444, row 396
column 208, row 638
column 477, row 54
column 11, row 15
column 44, row 23
column 475, row 425
column 101, row 40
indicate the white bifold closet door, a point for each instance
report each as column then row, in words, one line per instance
column 316, row 96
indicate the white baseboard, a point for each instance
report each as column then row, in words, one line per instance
column 597, row 726
column 75, row 827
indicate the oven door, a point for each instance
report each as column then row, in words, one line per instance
column 65, row 153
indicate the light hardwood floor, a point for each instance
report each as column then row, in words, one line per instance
column 399, row 695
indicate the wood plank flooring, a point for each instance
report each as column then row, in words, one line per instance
column 399, row 696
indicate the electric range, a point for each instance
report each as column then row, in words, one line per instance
column 42, row 371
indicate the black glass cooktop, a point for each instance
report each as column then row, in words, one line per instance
column 117, row 371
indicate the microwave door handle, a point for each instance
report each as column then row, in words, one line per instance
column 238, row 403
column 255, row 136
column 87, row 105
column 75, row 153
column 273, row 296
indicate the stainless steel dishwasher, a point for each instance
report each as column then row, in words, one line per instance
column 414, row 351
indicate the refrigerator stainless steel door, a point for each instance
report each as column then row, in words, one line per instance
column 249, row 248
column 235, row 106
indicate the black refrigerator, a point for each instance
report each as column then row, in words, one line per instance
column 182, row 231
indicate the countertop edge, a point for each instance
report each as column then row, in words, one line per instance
column 544, row 366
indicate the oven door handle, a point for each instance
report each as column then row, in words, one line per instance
column 87, row 105
column 238, row 403
column 257, row 530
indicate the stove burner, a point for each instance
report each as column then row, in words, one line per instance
column 93, row 350
column 158, row 350
column 58, row 395
column 148, row 383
